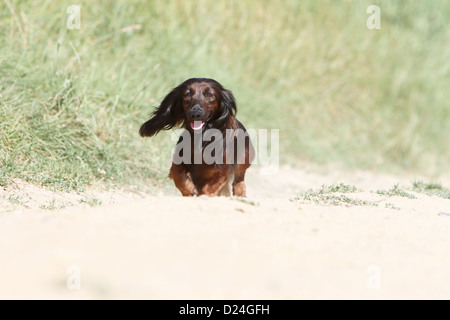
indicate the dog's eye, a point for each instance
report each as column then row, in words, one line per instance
column 187, row 95
column 210, row 95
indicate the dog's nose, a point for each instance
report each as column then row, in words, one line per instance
column 196, row 112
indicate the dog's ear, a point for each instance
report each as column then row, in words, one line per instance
column 227, row 109
column 168, row 115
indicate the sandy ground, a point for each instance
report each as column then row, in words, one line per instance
column 270, row 246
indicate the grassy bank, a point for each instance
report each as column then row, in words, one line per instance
column 71, row 101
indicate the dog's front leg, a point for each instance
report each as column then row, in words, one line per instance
column 238, row 183
column 178, row 173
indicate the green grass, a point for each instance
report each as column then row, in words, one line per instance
column 51, row 205
column 396, row 191
column 341, row 200
column 92, row 201
column 434, row 189
column 17, row 200
column 71, row 101
column 325, row 190
column 333, row 195
column 245, row 200
column 391, row 206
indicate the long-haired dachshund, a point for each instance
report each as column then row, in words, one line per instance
column 208, row 166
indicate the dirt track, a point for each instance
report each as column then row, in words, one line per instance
column 270, row 247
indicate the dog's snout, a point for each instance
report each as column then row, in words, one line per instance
column 196, row 112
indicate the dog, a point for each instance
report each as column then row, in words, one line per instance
column 204, row 108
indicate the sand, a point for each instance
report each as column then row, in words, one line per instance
column 271, row 246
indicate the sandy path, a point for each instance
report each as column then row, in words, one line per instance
column 169, row 247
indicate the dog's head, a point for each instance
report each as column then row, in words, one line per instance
column 195, row 104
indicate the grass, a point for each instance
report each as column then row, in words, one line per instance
column 17, row 200
column 337, row 195
column 396, row 191
column 333, row 195
column 92, row 201
column 71, row 101
column 310, row 194
column 245, row 200
column 389, row 205
column 51, row 205
column 434, row 189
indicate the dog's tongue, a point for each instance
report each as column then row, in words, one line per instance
column 197, row 125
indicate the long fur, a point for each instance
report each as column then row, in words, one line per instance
column 193, row 179
column 166, row 116
column 170, row 113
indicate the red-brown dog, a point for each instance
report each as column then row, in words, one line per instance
column 201, row 106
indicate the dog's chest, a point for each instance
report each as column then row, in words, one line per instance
column 201, row 174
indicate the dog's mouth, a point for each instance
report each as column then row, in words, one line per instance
column 197, row 125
